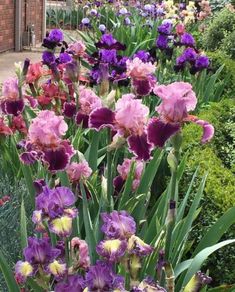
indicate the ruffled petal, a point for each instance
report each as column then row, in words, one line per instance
column 101, row 118
column 142, row 86
column 208, row 130
column 139, row 146
column 14, row 108
column 28, row 157
column 69, row 109
column 56, row 159
column 159, row 132
column 82, row 119
column 118, row 183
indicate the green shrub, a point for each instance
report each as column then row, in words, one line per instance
column 218, row 59
column 218, row 158
column 220, row 27
column 228, row 45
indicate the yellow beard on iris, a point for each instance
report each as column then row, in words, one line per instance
column 56, row 268
column 26, row 269
column 62, row 226
column 112, row 245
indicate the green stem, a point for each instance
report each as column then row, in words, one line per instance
column 109, row 176
column 176, row 141
column 67, row 257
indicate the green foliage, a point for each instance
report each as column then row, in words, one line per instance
column 218, row 4
column 218, row 158
column 219, row 31
column 218, row 59
column 228, row 45
column 10, row 221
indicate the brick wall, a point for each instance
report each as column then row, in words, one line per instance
column 32, row 13
column 7, row 23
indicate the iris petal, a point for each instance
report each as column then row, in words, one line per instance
column 101, row 118
column 159, row 132
column 139, row 146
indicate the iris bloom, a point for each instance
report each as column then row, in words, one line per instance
column 76, row 171
column 118, row 224
column 23, row 270
column 129, row 120
column 112, row 249
column 178, row 99
column 40, row 252
column 45, row 142
column 57, row 269
column 101, row 277
column 198, row 281
column 53, row 204
column 10, row 102
column 141, row 75
column 72, row 283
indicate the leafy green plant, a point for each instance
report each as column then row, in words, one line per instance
column 220, row 27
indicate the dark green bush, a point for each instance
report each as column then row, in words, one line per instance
column 218, row 31
column 218, row 59
column 10, row 221
column 218, row 159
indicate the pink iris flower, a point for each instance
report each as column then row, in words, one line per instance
column 178, row 99
column 129, row 120
column 142, row 76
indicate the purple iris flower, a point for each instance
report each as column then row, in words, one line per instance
column 85, row 21
column 190, row 54
column 202, row 62
column 40, row 252
column 127, row 21
column 53, row 201
column 64, row 58
column 100, row 277
column 162, row 42
column 165, row 28
column 56, row 35
column 102, row 28
column 48, row 57
column 180, row 63
column 118, row 224
column 143, row 56
column 53, row 39
column 108, row 56
column 108, row 42
column 187, row 39
column 73, row 283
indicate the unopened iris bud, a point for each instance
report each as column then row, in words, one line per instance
column 80, row 254
column 71, row 71
column 197, row 282
column 26, row 67
column 138, row 246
